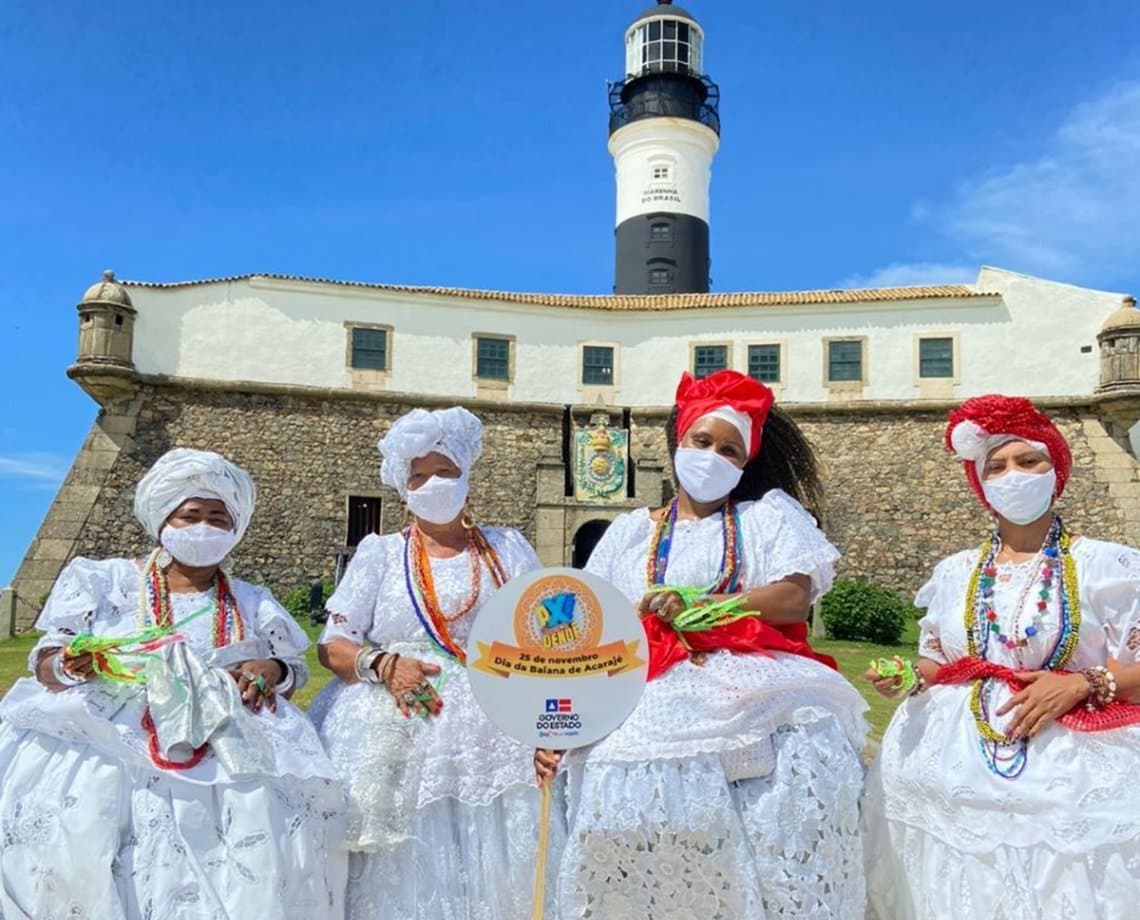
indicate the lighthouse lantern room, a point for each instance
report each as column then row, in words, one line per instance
column 664, row 132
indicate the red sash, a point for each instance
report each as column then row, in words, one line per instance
column 748, row 634
column 1116, row 714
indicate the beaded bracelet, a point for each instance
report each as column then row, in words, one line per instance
column 1102, row 687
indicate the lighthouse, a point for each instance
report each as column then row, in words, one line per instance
column 664, row 132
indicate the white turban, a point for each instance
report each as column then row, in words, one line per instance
column 455, row 433
column 182, row 474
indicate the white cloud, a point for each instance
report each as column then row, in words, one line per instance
column 905, row 274
column 40, row 470
column 1071, row 214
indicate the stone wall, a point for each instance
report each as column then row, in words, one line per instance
column 307, row 456
column 895, row 501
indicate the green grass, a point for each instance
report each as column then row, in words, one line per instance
column 853, row 658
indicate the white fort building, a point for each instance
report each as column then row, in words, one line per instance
column 574, row 388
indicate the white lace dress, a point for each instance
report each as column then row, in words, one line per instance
column 732, row 790
column 443, row 811
column 948, row 838
column 92, row 829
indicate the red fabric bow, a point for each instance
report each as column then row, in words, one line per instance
column 1116, row 714
column 748, row 634
column 696, row 398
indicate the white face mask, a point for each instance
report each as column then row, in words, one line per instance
column 704, row 474
column 1021, row 498
column 197, row 544
column 438, row 500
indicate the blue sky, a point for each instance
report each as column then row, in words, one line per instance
column 464, row 144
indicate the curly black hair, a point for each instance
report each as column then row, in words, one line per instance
column 786, row 461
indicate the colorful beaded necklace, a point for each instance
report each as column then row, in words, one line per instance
column 154, row 604
column 155, row 609
column 1004, row 755
column 728, row 580
column 420, row 584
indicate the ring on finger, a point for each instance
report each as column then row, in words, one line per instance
column 409, row 697
column 259, row 682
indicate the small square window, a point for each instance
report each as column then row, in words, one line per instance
column 597, row 365
column 936, row 357
column 660, row 277
column 764, row 363
column 661, row 233
column 660, row 172
column 844, row 361
column 708, row 359
column 492, row 358
column 370, row 349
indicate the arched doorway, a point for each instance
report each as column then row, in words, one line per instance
column 585, row 540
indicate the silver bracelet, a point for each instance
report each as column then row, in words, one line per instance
column 365, row 659
column 60, row 673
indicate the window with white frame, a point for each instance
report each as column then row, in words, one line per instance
column 936, row 357
column 597, row 365
column 369, row 348
column 764, row 363
column 664, row 45
column 708, row 359
column 844, row 360
column 492, row 358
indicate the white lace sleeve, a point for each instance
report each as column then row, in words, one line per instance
column 353, row 603
column 79, row 593
column 1115, row 590
column 286, row 639
column 938, row 594
column 614, row 540
column 782, row 539
column 515, row 552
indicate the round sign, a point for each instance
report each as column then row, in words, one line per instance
column 557, row 658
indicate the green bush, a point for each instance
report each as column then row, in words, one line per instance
column 859, row 610
column 297, row 600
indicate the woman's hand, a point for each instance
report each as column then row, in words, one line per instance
column 545, row 766
column 257, row 681
column 409, row 686
column 664, row 604
column 890, row 687
column 1048, row 696
column 81, row 667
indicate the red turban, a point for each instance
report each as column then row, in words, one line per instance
column 697, row 398
column 974, row 423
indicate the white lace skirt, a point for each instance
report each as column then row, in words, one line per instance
column 85, row 836
column 676, row 838
column 913, row 874
column 461, row 862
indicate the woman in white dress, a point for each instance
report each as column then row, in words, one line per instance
column 1008, row 789
column 732, row 790
column 443, row 814
column 193, row 789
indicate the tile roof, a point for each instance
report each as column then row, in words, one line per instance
column 627, row 301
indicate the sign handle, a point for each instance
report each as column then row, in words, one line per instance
column 543, row 846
